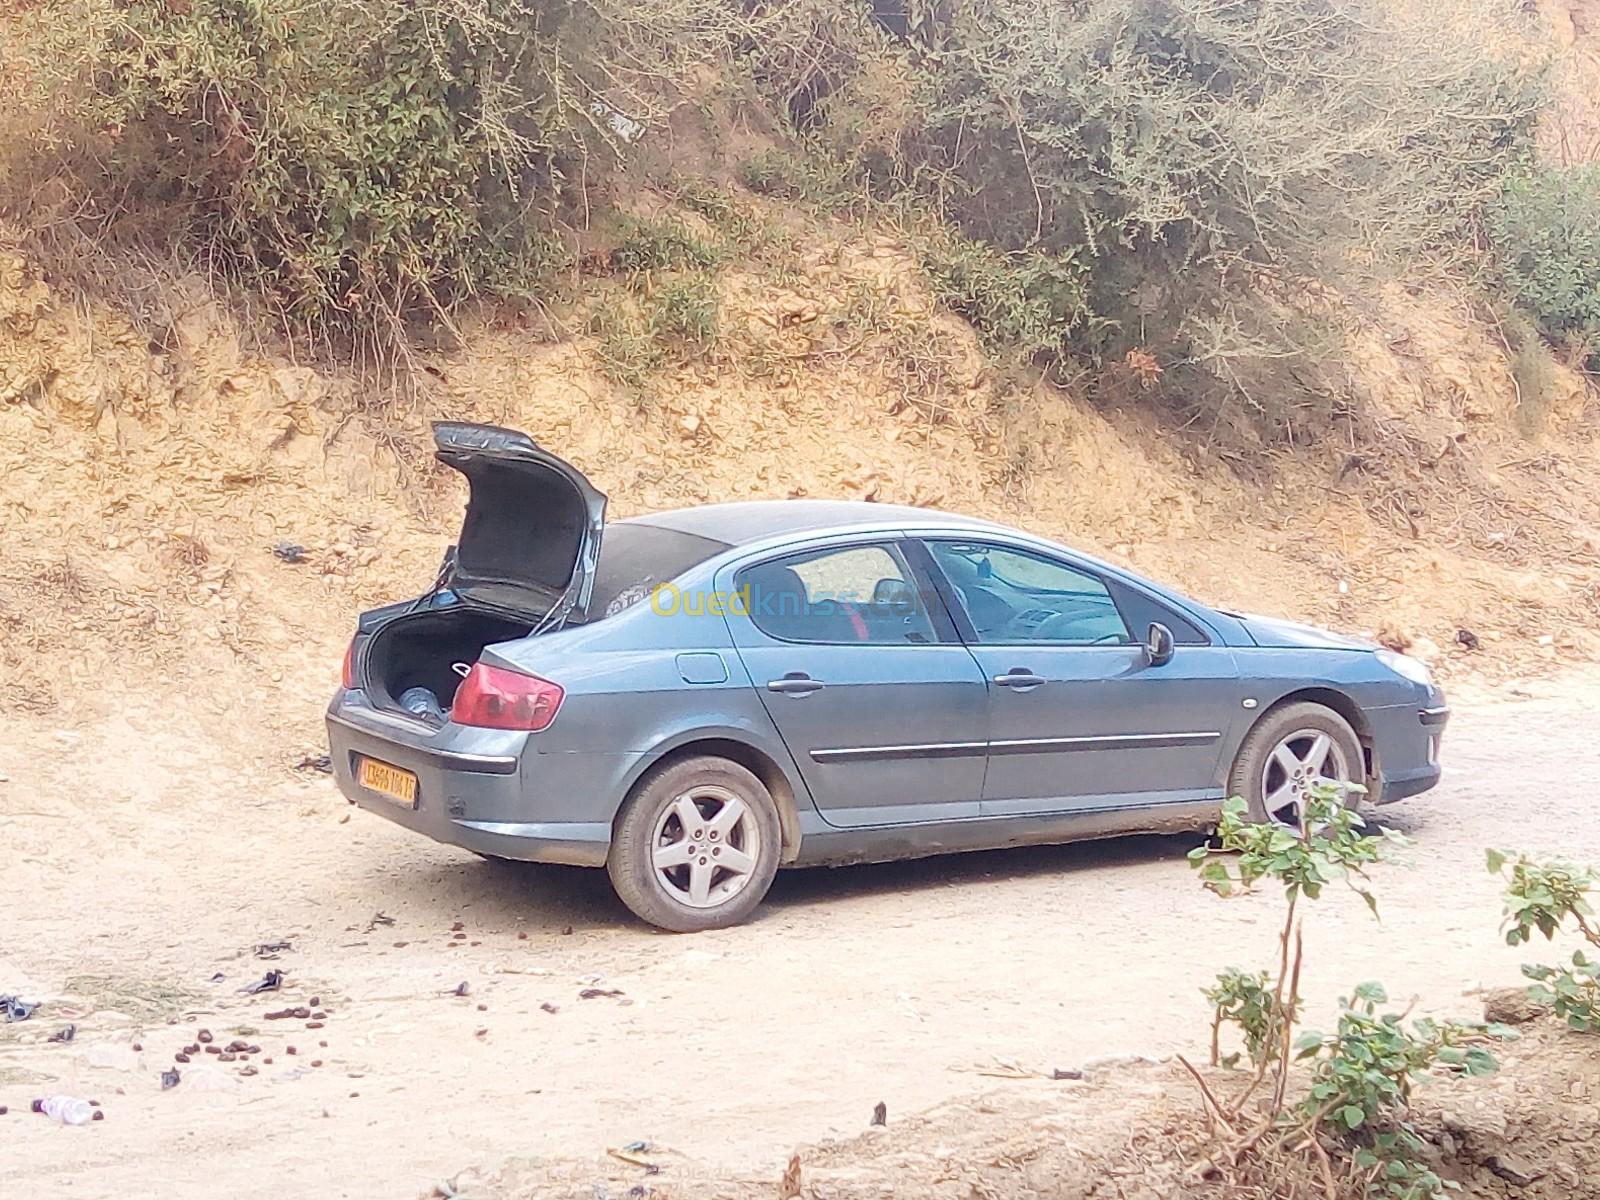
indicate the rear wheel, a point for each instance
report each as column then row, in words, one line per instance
column 696, row 846
column 1290, row 749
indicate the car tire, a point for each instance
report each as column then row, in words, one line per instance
column 696, row 846
column 1269, row 787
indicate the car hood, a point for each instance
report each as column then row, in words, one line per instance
column 1291, row 635
column 531, row 536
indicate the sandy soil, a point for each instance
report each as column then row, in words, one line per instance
column 141, row 871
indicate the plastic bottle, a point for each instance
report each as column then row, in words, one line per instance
column 67, row 1110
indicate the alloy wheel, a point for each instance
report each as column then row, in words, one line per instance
column 705, row 847
column 1299, row 760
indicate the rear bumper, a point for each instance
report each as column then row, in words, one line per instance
column 473, row 797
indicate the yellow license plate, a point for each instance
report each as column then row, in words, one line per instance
column 389, row 781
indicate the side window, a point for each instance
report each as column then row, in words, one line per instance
column 842, row 594
column 1016, row 596
column 1140, row 611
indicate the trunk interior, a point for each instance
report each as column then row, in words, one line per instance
column 420, row 650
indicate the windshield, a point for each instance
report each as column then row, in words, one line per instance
column 635, row 557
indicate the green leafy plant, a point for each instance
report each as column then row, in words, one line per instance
column 1329, row 844
column 685, row 310
column 653, row 244
column 1365, row 1070
column 1246, row 1000
column 1545, row 228
column 1545, row 897
column 1187, row 164
column 1025, row 302
column 1351, row 1122
column 363, row 164
column 1361, row 1082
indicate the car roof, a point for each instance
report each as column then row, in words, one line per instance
column 758, row 520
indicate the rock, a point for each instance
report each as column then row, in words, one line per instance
column 689, row 425
column 1512, row 1006
column 1477, row 1122
column 1513, row 1168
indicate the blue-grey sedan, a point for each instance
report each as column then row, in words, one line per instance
column 695, row 698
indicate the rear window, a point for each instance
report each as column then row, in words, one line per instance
column 634, row 558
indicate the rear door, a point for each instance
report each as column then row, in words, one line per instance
column 859, row 665
column 1078, row 719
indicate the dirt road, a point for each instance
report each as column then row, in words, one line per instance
column 137, row 869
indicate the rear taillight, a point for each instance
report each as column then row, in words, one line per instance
column 494, row 698
column 347, row 675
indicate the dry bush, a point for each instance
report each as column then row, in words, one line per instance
column 1180, row 156
column 359, row 164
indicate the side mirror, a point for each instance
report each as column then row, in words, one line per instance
column 1158, row 645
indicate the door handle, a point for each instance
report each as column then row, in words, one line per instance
column 1019, row 677
column 795, row 683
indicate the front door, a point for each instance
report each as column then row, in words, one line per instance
column 1078, row 719
column 859, row 666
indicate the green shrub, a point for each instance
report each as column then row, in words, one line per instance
column 349, row 158
column 627, row 348
column 1354, row 1113
column 651, row 244
column 1361, row 1080
column 771, row 173
column 359, row 161
column 685, row 310
column 639, row 330
column 1185, row 157
column 1022, row 301
column 1545, row 227
column 1548, row 896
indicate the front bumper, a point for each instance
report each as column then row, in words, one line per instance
column 471, row 795
column 1406, row 744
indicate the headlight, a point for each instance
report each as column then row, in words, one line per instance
column 1404, row 665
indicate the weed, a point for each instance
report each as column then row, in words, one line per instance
column 654, row 244
column 1027, row 303
column 1545, row 226
column 1547, row 896
column 1351, row 1123
column 627, row 352
column 685, row 310
column 773, row 173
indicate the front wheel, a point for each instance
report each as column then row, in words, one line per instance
column 696, row 847
column 1290, row 749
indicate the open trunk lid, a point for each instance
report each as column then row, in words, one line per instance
column 531, row 536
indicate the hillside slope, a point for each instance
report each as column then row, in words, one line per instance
column 147, row 488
